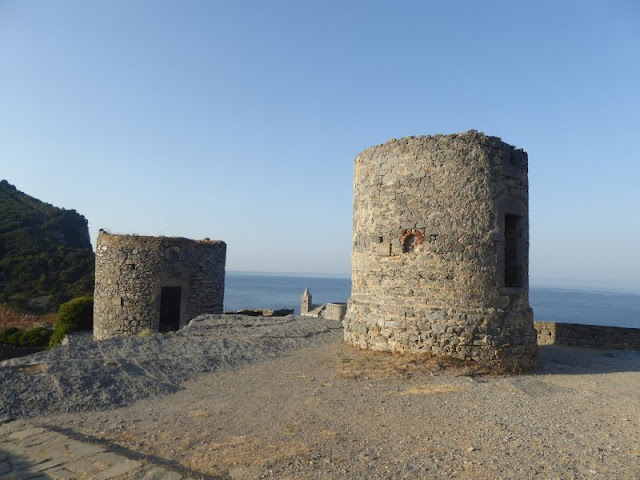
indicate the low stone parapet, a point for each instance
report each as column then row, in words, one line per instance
column 334, row 311
column 588, row 336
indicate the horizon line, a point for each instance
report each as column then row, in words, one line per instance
column 627, row 288
column 293, row 274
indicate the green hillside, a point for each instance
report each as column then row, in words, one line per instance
column 45, row 252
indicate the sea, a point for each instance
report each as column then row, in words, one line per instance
column 552, row 304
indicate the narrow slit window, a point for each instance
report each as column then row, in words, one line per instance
column 515, row 157
column 512, row 251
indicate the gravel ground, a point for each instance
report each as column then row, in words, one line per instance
column 89, row 375
column 298, row 403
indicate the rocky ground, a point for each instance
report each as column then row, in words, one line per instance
column 89, row 375
column 244, row 397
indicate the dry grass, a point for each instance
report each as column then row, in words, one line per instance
column 198, row 413
column 198, row 452
column 367, row 364
column 251, row 451
column 431, row 390
column 13, row 318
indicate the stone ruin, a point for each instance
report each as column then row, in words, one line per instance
column 440, row 250
column 155, row 284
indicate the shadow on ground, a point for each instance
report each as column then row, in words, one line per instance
column 561, row 360
column 132, row 454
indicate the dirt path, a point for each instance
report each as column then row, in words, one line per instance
column 331, row 411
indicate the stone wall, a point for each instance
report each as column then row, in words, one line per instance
column 588, row 336
column 440, row 250
column 132, row 273
column 334, row 311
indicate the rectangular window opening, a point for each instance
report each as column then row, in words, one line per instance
column 513, row 251
column 515, row 158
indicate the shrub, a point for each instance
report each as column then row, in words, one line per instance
column 7, row 335
column 36, row 337
column 76, row 314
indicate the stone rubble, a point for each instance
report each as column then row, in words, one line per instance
column 111, row 373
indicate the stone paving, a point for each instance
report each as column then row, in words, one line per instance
column 34, row 453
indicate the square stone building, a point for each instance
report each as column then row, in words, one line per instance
column 155, row 283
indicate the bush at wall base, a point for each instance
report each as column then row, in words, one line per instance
column 74, row 315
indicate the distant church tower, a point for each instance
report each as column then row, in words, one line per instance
column 305, row 303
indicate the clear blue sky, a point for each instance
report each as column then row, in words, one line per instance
column 240, row 120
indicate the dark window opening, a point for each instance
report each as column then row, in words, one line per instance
column 512, row 251
column 409, row 244
column 170, row 309
column 515, row 157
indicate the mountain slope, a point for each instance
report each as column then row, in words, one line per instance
column 45, row 252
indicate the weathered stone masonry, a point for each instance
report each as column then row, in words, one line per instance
column 588, row 336
column 156, row 283
column 440, row 250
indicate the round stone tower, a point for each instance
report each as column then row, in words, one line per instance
column 440, row 250
column 155, row 283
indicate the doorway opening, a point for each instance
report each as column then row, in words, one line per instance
column 170, row 309
column 512, row 251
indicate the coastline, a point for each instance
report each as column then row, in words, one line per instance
column 549, row 303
